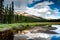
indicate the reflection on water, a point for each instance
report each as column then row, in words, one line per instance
column 58, row 28
column 39, row 36
column 56, row 36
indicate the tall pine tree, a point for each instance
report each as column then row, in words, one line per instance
column 1, row 10
column 9, row 14
column 6, row 15
column 12, row 14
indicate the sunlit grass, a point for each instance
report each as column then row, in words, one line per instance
column 31, row 24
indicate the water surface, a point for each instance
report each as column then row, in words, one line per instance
column 56, row 30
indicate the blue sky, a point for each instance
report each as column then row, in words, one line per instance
column 49, row 9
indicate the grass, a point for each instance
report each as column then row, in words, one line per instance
column 31, row 24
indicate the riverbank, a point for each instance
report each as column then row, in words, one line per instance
column 2, row 26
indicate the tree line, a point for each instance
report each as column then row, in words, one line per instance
column 6, row 12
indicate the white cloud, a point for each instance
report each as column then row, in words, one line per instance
column 43, row 10
column 30, row 1
column 39, row 11
column 48, row 12
column 32, row 11
column 43, row 4
column 43, row 7
column 52, row 17
column 56, row 10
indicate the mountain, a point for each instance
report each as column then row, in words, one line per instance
column 26, row 14
column 26, row 17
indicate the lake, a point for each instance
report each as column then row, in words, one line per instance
column 39, row 36
column 56, row 30
column 56, row 36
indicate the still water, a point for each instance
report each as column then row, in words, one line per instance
column 40, row 36
column 56, row 36
column 58, row 28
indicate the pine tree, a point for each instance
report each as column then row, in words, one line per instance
column 17, row 19
column 9, row 14
column 12, row 10
column 12, row 7
column 6, row 15
column 1, row 10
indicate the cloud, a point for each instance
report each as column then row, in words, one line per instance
column 30, row 1
column 43, row 10
column 18, row 4
column 48, row 12
column 55, row 14
column 43, row 4
column 43, row 7
column 40, row 8
column 56, row 10
column 52, row 16
column 32, row 11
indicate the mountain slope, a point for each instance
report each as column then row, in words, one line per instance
column 27, row 14
column 25, row 17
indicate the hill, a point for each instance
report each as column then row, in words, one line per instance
column 26, row 17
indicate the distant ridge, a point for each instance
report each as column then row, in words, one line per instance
column 26, row 14
column 34, row 18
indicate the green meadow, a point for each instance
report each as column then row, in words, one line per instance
column 30, row 24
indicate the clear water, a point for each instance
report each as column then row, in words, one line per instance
column 56, row 36
column 56, row 30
